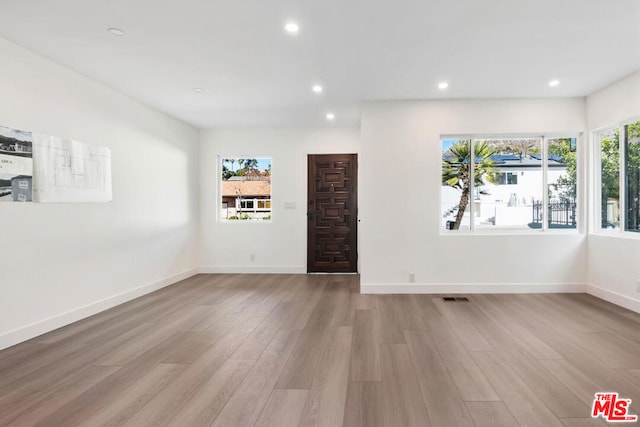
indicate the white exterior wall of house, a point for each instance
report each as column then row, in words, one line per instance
column 504, row 205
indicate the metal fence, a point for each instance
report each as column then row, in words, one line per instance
column 561, row 214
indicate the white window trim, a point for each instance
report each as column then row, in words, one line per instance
column 545, row 230
column 595, row 208
column 218, row 202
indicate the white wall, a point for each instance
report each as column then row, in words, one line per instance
column 278, row 246
column 62, row 262
column 401, row 160
column 614, row 265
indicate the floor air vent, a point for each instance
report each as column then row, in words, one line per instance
column 454, row 299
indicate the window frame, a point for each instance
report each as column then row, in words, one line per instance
column 596, row 136
column 506, row 178
column 596, row 225
column 544, row 137
column 219, row 201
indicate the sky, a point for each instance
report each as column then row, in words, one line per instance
column 17, row 134
column 447, row 143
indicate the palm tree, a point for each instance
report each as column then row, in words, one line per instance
column 456, row 171
column 250, row 168
column 226, row 172
column 251, row 163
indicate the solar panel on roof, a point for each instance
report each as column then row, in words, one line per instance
column 501, row 158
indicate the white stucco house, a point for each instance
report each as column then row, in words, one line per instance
column 516, row 200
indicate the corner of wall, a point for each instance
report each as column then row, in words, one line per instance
column 43, row 326
column 613, row 297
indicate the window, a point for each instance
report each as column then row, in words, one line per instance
column 619, row 157
column 245, row 189
column 456, row 173
column 506, row 178
column 562, row 176
column 609, row 142
column 499, row 183
column 632, row 176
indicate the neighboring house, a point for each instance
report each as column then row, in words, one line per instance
column 17, row 148
column 246, row 195
column 516, row 198
column 21, row 188
column 23, row 146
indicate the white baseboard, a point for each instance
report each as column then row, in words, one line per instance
column 615, row 298
column 471, row 288
column 40, row 327
column 234, row 269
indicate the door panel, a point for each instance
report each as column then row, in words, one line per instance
column 332, row 213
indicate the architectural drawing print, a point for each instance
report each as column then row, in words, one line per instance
column 71, row 171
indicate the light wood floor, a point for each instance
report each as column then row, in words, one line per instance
column 296, row 350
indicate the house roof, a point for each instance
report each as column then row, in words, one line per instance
column 514, row 161
column 246, row 188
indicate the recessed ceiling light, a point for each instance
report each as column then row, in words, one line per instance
column 116, row 31
column 443, row 85
column 292, row 28
column 554, row 83
column 317, row 88
column 331, row 116
column 198, row 89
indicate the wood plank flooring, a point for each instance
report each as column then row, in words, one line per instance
column 299, row 350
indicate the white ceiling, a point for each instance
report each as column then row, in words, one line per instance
column 254, row 74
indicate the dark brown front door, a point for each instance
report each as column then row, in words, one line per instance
column 332, row 211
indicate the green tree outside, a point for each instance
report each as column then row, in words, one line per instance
column 632, row 154
column 566, row 150
column 246, row 167
column 609, row 175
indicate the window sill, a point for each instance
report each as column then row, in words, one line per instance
column 617, row 234
column 244, row 221
column 514, row 232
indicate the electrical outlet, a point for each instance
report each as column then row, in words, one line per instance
column 638, row 285
column 412, row 277
column 252, row 257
